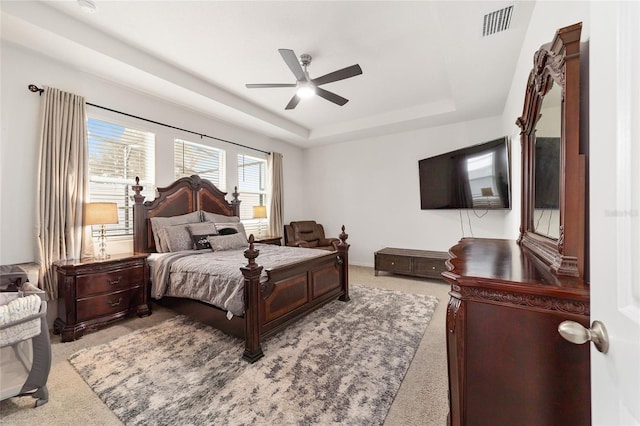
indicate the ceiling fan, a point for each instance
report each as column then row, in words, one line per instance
column 306, row 86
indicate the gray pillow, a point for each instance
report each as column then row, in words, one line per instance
column 228, row 242
column 178, row 238
column 157, row 223
column 203, row 228
column 215, row 217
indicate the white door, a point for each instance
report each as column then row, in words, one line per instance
column 614, row 170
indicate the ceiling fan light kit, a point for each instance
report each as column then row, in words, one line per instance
column 306, row 86
column 306, row 90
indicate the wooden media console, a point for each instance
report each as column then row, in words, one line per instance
column 417, row 263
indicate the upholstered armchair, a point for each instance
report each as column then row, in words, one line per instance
column 308, row 233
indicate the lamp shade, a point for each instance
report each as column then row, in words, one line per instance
column 259, row 212
column 100, row 213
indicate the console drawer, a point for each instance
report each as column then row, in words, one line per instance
column 391, row 263
column 431, row 268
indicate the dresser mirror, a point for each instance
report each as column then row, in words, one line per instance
column 546, row 202
column 553, row 164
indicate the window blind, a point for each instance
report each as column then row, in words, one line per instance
column 253, row 192
column 117, row 154
column 203, row 160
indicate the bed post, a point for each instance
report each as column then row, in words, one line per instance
column 235, row 202
column 251, row 273
column 138, row 217
column 343, row 250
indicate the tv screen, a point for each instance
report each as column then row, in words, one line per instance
column 475, row 177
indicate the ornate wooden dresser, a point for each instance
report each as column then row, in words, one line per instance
column 508, row 365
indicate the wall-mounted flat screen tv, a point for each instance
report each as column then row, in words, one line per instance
column 475, row 177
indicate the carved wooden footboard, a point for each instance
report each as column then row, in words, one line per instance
column 290, row 292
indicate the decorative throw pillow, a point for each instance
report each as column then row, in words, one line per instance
column 200, row 232
column 228, row 242
column 157, row 223
column 201, row 241
column 178, row 238
column 234, row 225
column 227, row 231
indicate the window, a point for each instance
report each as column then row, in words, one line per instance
column 253, row 192
column 196, row 159
column 117, row 155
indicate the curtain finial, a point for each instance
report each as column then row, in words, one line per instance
column 35, row 89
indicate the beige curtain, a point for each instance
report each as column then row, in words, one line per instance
column 62, row 184
column 274, row 165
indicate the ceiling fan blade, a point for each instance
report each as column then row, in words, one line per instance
column 347, row 72
column 269, row 85
column 293, row 102
column 293, row 63
column 330, row 96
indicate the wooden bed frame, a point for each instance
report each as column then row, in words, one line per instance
column 291, row 291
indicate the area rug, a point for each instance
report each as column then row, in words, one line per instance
column 342, row 364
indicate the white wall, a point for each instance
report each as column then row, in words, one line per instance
column 372, row 187
column 20, row 120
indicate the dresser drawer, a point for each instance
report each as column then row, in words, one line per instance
column 119, row 301
column 98, row 283
column 393, row 263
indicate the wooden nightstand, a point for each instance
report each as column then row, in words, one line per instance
column 277, row 241
column 94, row 293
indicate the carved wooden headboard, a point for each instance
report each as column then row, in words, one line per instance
column 186, row 195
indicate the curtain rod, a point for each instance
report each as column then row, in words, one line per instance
column 34, row 89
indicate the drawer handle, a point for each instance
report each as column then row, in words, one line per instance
column 114, row 304
column 116, row 281
column 433, row 267
column 393, row 263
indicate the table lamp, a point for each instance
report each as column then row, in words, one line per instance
column 259, row 212
column 101, row 214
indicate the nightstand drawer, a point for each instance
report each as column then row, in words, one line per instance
column 392, row 263
column 119, row 301
column 94, row 284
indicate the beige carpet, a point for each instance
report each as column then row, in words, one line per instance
column 421, row 400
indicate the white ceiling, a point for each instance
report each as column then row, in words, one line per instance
column 424, row 63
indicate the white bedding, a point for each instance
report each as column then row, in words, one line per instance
column 215, row 277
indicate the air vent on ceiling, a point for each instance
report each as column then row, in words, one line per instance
column 497, row 21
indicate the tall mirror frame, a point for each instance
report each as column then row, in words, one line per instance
column 557, row 62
